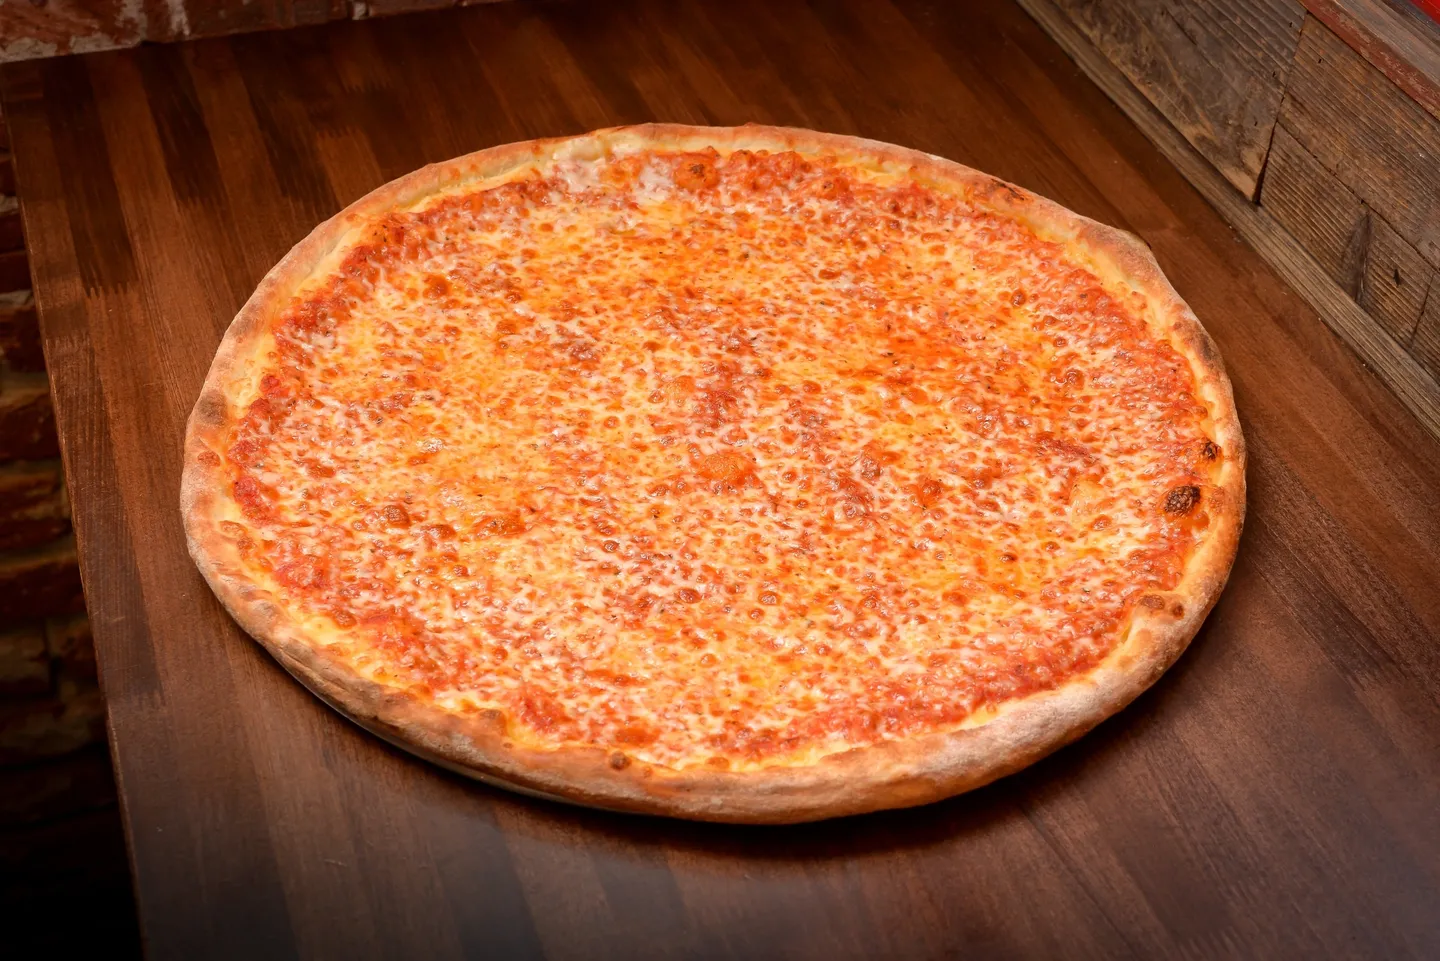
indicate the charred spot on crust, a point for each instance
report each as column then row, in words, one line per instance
column 619, row 761
column 211, row 408
column 1178, row 610
column 1182, row 500
column 1208, row 351
column 1210, row 450
column 1000, row 186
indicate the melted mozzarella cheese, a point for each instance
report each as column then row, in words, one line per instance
column 716, row 460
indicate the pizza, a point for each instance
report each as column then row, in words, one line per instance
column 739, row 474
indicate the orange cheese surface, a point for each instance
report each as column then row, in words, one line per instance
column 716, row 460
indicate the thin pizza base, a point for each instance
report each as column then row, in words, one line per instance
column 888, row 775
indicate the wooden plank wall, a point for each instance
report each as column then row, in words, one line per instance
column 1215, row 69
column 1325, row 118
column 1354, row 175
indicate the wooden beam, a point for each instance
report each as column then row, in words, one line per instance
column 1403, row 44
column 1368, row 133
column 1358, row 248
column 1215, row 69
column 1426, row 342
column 1411, row 383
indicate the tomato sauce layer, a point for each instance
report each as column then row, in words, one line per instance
column 717, row 460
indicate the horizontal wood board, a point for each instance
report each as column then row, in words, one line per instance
column 1215, row 68
column 1362, row 128
column 1425, row 344
column 1372, row 263
column 1396, row 36
column 1354, row 154
column 1272, row 796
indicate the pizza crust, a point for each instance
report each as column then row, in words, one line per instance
column 889, row 775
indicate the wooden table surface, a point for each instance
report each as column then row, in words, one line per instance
column 1277, row 794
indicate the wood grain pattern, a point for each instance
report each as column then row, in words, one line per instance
column 1401, row 41
column 1425, row 344
column 1272, row 796
column 1318, row 210
column 1358, row 248
column 1362, row 128
column 1215, row 68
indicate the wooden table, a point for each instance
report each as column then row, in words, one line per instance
column 1277, row 794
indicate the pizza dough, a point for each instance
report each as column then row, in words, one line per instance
column 740, row 474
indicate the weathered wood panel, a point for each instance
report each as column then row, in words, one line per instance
column 1318, row 210
column 1393, row 279
column 1216, row 69
column 1364, row 130
column 1357, row 247
column 1426, row 344
column 1402, row 42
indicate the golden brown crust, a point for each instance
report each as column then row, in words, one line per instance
column 894, row 774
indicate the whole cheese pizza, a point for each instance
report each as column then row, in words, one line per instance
column 739, row 474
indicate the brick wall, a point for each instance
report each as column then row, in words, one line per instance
column 49, row 704
column 47, row 28
column 61, row 844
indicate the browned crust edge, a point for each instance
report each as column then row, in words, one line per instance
column 891, row 775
